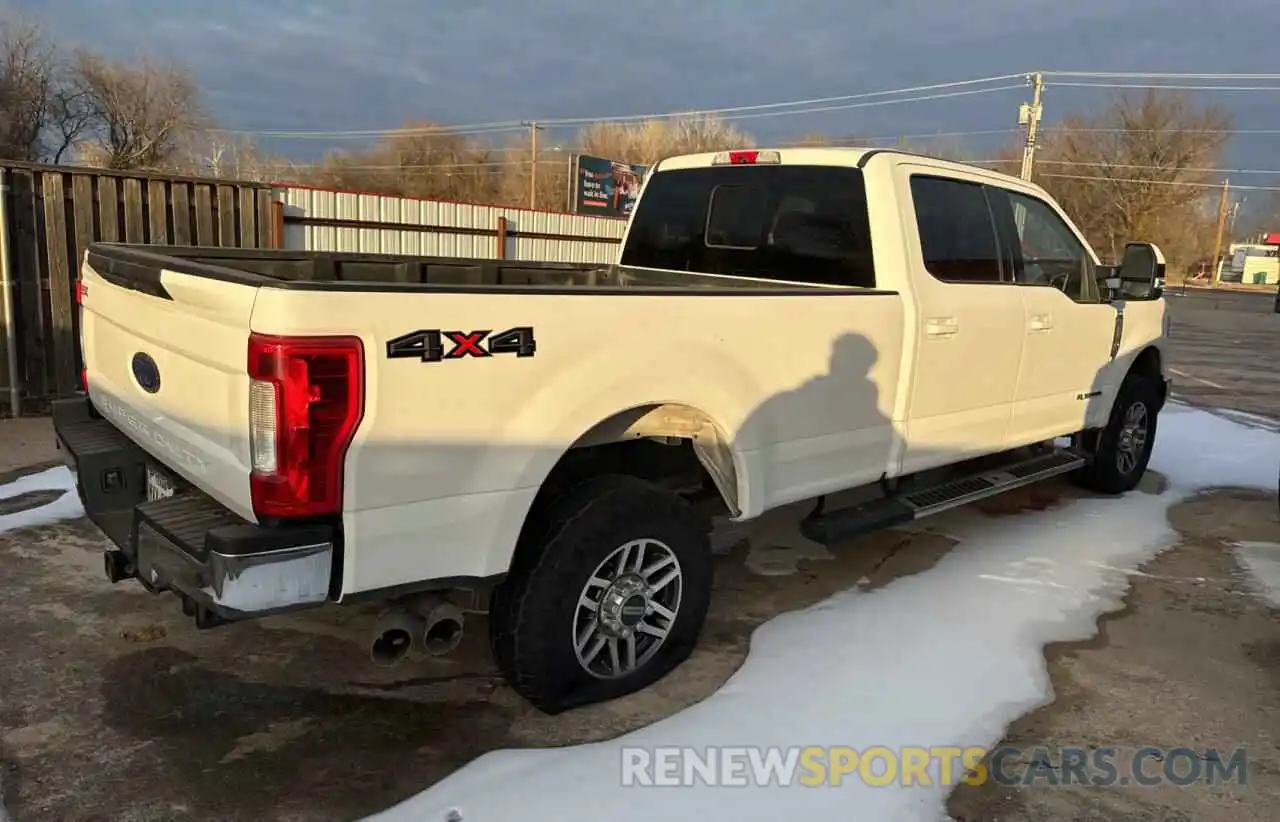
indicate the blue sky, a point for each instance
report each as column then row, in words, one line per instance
column 334, row 65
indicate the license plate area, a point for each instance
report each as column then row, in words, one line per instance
column 159, row 485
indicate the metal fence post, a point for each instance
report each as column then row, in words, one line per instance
column 7, row 288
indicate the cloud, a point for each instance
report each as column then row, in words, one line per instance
column 330, row 65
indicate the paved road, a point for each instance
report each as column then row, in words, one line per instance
column 1225, row 350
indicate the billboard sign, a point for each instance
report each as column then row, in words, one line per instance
column 605, row 188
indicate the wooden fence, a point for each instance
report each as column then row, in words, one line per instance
column 51, row 214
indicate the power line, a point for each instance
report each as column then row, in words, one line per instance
column 817, row 101
column 809, row 106
column 1166, row 86
column 1136, row 166
column 1153, row 75
column 1160, row 168
column 804, row 106
column 1157, row 182
column 1229, row 131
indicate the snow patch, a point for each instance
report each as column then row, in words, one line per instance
column 1262, row 561
column 949, row 656
column 64, row 507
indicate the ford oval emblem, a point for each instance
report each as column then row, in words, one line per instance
column 146, row 373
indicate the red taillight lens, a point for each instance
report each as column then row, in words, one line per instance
column 81, row 289
column 84, row 380
column 747, row 157
column 306, row 399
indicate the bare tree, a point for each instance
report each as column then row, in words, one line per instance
column 27, row 66
column 226, row 155
column 647, row 142
column 139, row 112
column 71, row 116
column 1135, row 171
column 554, row 168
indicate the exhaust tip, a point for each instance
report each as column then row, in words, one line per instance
column 391, row 646
column 117, row 566
column 393, row 636
column 442, row 636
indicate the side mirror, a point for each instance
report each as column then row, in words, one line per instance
column 1140, row 274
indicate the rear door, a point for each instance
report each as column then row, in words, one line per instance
column 165, row 360
column 969, row 326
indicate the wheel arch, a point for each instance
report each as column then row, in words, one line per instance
column 1149, row 364
column 608, row 445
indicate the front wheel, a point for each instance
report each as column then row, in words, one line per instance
column 1122, row 449
column 613, row 600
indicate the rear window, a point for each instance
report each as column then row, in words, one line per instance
column 795, row 223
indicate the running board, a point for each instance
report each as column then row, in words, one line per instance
column 846, row 523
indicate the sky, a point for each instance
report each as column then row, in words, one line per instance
column 328, row 65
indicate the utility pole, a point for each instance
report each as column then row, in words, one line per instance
column 1217, row 243
column 534, row 128
column 1029, row 116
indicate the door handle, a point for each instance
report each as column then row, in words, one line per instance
column 1040, row 322
column 941, row 326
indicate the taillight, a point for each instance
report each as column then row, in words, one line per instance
column 81, row 290
column 306, row 399
column 747, row 157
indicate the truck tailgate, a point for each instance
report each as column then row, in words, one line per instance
column 165, row 361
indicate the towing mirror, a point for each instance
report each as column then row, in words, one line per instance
column 1140, row 274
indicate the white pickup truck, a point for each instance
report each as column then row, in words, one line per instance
column 263, row 431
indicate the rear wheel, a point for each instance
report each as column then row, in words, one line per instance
column 1121, row 450
column 607, row 598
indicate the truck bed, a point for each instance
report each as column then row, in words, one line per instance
column 138, row 267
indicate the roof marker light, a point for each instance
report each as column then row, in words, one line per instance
column 751, row 157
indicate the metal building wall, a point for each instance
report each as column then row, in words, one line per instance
column 324, row 220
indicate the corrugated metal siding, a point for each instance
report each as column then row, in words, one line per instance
column 322, row 220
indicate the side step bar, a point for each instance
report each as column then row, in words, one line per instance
column 845, row 523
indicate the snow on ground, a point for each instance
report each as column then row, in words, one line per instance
column 66, row 506
column 1262, row 561
column 948, row 657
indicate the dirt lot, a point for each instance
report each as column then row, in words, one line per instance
column 115, row 708
column 1193, row 661
column 112, row 707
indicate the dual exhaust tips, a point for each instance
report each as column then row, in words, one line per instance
column 429, row 622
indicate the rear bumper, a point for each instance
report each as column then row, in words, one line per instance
column 222, row 567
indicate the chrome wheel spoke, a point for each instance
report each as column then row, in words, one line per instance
column 664, row 581
column 614, row 662
column 652, row 630
column 629, row 647
column 626, row 608
column 662, row 611
column 654, row 567
column 594, row 651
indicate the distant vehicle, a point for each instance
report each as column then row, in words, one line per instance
column 265, row 431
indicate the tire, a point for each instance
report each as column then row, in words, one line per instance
column 1122, row 449
column 536, row 618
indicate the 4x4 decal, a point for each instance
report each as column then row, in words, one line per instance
column 428, row 345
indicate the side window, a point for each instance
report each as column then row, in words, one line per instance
column 1046, row 251
column 793, row 223
column 957, row 232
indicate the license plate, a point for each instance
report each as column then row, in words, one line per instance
column 158, row 485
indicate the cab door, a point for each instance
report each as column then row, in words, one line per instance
column 1069, row 331
column 969, row 322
